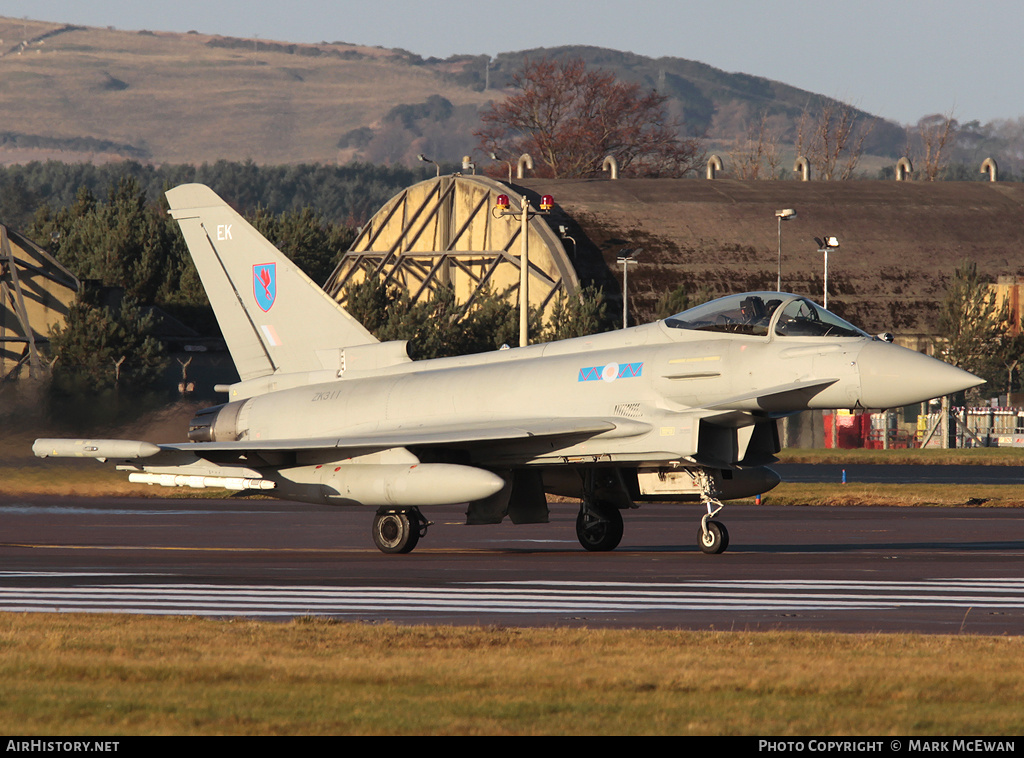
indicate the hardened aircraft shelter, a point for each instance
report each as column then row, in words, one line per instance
column 35, row 295
column 443, row 232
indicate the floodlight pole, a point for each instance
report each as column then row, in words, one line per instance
column 524, row 275
column 525, row 214
column 627, row 260
column 785, row 214
column 824, row 245
column 825, row 297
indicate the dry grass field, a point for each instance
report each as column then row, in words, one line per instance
column 131, row 675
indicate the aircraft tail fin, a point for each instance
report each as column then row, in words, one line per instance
column 275, row 319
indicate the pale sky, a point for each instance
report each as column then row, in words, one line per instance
column 899, row 59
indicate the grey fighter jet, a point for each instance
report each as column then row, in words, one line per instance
column 683, row 409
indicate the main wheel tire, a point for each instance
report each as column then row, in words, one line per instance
column 599, row 532
column 716, row 540
column 395, row 532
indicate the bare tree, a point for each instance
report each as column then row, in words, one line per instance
column 832, row 140
column 937, row 134
column 569, row 118
column 757, row 151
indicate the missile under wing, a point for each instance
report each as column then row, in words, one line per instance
column 681, row 409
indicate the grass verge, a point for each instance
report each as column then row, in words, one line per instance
column 86, row 674
column 86, row 479
column 985, row 495
column 975, row 456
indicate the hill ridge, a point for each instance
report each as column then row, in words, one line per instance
column 193, row 97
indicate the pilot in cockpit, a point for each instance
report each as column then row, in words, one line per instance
column 756, row 312
column 752, row 309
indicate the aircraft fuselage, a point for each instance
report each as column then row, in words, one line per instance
column 653, row 382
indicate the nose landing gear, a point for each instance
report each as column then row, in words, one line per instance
column 714, row 537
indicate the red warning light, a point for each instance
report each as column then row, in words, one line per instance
column 547, row 203
column 502, row 202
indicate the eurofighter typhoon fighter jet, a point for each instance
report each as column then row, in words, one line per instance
column 683, row 409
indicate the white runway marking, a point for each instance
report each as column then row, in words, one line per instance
column 565, row 598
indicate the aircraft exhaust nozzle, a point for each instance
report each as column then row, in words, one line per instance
column 892, row 377
column 410, row 485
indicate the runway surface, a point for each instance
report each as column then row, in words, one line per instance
column 937, row 570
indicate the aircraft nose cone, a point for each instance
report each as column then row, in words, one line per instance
column 892, row 376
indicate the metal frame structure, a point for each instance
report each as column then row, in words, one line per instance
column 441, row 233
column 35, row 294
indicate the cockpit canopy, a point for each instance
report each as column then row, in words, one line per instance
column 761, row 314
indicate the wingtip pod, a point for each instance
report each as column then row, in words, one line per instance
column 102, row 449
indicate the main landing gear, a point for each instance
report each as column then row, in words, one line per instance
column 714, row 537
column 599, row 523
column 599, row 528
column 398, row 530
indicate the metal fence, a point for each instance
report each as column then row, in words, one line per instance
column 967, row 427
column 974, row 427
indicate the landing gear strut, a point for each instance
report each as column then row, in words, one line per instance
column 398, row 530
column 714, row 537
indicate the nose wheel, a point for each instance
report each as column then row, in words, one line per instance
column 714, row 537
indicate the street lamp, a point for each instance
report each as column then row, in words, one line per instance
column 627, row 260
column 786, row 214
column 501, row 208
column 425, row 159
column 563, row 232
column 494, row 157
column 829, row 243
